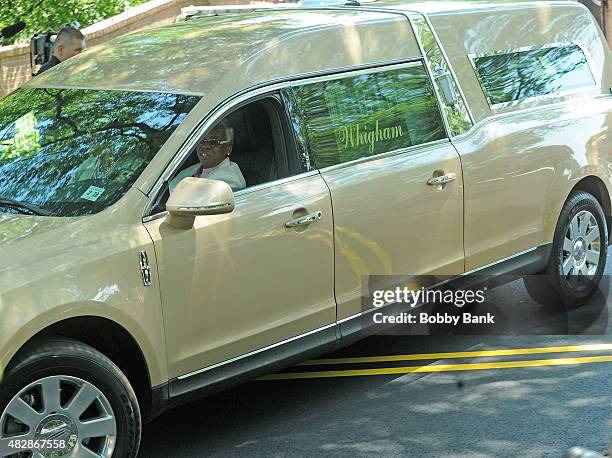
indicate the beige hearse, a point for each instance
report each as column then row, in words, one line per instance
column 187, row 207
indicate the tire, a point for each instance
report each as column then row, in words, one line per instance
column 73, row 393
column 585, row 262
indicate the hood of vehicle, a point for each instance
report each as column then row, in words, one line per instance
column 25, row 239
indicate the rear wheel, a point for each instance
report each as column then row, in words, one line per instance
column 578, row 255
column 65, row 399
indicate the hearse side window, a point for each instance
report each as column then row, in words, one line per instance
column 513, row 76
column 353, row 117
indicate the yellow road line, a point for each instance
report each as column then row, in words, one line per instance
column 458, row 354
column 442, row 368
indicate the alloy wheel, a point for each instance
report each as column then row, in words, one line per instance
column 581, row 249
column 57, row 417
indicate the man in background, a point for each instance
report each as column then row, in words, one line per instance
column 69, row 42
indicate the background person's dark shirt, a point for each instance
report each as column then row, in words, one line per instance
column 52, row 63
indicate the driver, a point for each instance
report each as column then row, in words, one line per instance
column 213, row 153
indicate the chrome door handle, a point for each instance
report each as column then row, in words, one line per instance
column 305, row 220
column 443, row 179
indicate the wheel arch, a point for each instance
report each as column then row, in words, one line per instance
column 598, row 189
column 109, row 338
column 595, row 186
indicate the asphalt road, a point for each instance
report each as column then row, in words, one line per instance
column 538, row 411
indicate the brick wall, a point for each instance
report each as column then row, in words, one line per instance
column 14, row 67
column 15, row 59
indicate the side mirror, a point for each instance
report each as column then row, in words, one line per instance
column 445, row 83
column 198, row 196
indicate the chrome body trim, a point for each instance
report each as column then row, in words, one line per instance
column 254, row 352
column 357, row 315
column 145, row 268
column 305, row 220
column 497, row 106
column 520, row 253
column 442, row 180
column 146, row 219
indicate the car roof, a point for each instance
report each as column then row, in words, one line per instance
column 431, row 6
column 437, row 7
column 192, row 56
column 242, row 50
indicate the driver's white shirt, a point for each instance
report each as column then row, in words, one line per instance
column 227, row 171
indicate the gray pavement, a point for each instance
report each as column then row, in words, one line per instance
column 516, row 412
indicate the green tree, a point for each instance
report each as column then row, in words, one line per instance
column 42, row 15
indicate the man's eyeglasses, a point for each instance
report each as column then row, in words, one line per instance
column 213, row 142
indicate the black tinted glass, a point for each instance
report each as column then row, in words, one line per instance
column 520, row 75
column 72, row 152
column 345, row 119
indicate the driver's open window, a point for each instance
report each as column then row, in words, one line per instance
column 245, row 148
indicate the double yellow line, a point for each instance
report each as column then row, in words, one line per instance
column 449, row 367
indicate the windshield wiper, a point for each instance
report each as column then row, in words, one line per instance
column 33, row 209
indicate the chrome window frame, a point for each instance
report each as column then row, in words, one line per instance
column 448, row 63
column 250, row 94
column 497, row 106
column 411, row 19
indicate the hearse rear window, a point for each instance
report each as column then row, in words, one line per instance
column 359, row 116
column 509, row 77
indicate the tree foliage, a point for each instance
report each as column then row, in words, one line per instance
column 51, row 138
column 42, row 15
column 520, row 75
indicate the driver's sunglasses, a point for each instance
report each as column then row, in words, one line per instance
column 214, row 142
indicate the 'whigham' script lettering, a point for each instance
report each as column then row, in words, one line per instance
column 357, row 135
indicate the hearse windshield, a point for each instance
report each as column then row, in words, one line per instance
column 72, row 152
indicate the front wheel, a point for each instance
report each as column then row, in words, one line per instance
column 578, row 255
column 65, row 399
